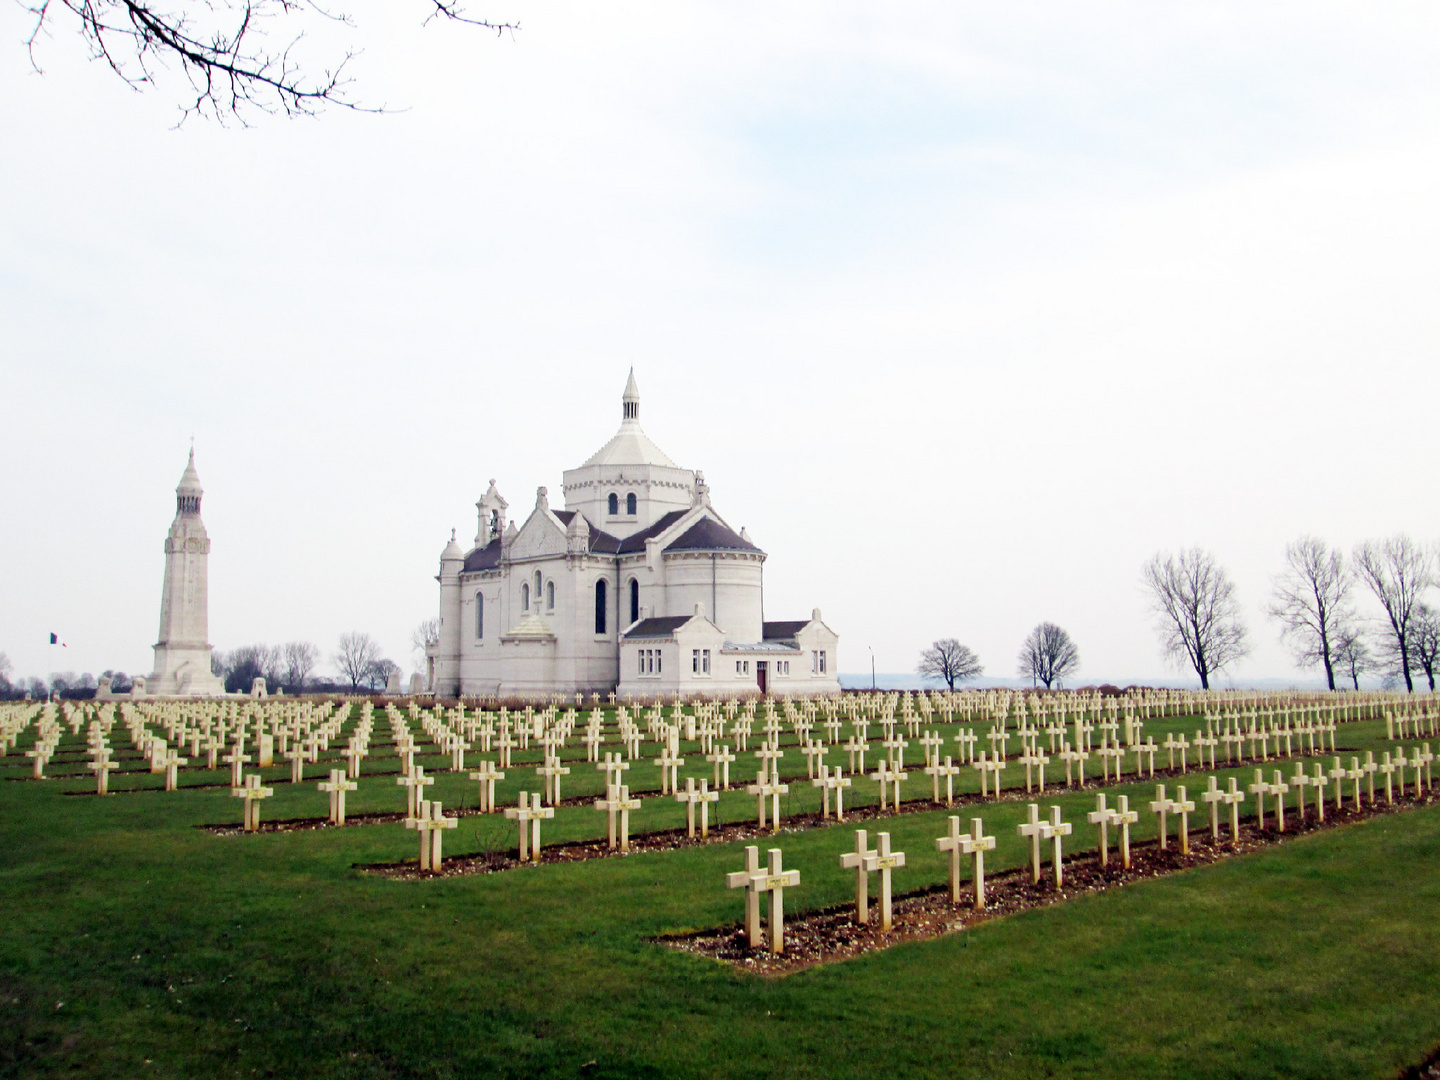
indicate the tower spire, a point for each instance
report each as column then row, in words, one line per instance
column 630, row 403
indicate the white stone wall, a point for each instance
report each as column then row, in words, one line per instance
column 657, row 489
column 728, row 585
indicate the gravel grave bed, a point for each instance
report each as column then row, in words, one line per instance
column 831, row 934
column 654, row 841
column 1429, row 1069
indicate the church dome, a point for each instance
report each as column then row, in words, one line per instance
column 630, row 445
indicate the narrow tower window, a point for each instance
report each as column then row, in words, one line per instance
column 479, row 615
column 600, row 606
column 550, row 596
column 614, row 505
column 634, row 600
column 524, row 597
column 630, row 504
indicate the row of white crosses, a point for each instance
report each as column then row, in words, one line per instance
column 707, row 720
column 864, row 861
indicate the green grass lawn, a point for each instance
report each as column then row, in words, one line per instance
column 132, row 944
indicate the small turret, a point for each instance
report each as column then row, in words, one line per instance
column 447, row 648
column 452, row 559
column 577, row 535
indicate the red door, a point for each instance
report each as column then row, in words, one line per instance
column 761, row 673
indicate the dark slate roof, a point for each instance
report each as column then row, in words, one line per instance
column 658, row 627
column 707, row 534
column 486, row 558
column 782, row 631
column 636, row 541
column 600, row 540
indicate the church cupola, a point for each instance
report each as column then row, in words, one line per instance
column 189, row 492
column 630, row 403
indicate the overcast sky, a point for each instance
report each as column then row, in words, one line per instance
column 965, row 310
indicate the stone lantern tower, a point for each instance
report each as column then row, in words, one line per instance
column 182, row 655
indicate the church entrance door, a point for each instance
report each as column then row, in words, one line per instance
column 761, row 673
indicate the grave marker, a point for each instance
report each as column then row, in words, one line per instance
column 884, row 861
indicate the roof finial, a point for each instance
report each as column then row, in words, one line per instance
column 630, row 403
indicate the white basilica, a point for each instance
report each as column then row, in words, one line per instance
column 637, row 586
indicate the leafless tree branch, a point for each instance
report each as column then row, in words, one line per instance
column 1311, row 602
column 1048, row 655
column 222, row 49
column 1352, row 653
column 1199, row 617
column 1398, row 572
column 949, row 660
column 1425, row 641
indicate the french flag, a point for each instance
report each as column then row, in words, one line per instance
column 55, row 640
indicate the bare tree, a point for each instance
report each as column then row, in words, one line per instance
column 1398, row 571
column 1425, row 640
column 1311, row 601
column 1199, row 615
column 1048, row 655
column 241, row 667
column 949, row 660
column 424, row 635
column 224, row 48
column 1352, row 653
column 299, row 659
column 380, row 672
column 5, row 669
column 356, row 658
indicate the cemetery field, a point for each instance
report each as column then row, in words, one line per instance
column 133, row 943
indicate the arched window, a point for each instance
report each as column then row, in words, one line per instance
column 479, row 615
column 630, row 504
column 550, row 596
column 600, row 606
column 634, row 600
column 524, row 597
column 614, row 505
column 537, row 588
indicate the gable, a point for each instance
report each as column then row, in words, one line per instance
column 538, row 537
